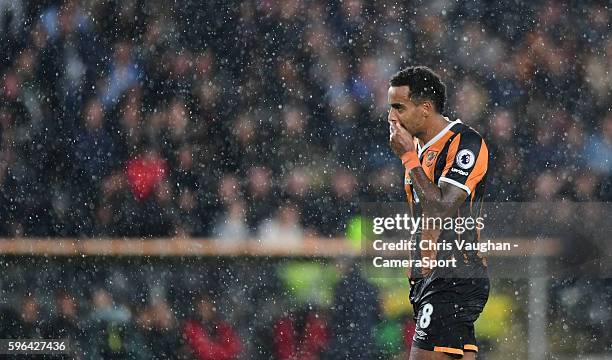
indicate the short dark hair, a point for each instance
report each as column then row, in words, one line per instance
column 424, row 84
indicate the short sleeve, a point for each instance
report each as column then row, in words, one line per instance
column 467, row 161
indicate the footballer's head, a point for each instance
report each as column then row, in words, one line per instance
column 415, row 95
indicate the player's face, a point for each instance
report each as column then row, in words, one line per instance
column 403, row 110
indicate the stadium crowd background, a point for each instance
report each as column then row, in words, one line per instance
column 234, row 120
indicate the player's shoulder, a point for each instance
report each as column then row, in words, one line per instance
column 467, row 133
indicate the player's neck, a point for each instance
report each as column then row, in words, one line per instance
column 436, row 124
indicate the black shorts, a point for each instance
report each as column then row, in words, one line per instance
column 445, row 311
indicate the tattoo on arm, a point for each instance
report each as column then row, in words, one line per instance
column 437, row 201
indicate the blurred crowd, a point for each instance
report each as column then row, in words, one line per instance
column 104, row 328
column 220, row 310
column 174, row 311
column 232, row 119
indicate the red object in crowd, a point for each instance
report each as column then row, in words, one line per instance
column 409, row 329
column 308, row 347
column 225, row 345
column 144, row 172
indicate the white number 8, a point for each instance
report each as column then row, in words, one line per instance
column 426, row 316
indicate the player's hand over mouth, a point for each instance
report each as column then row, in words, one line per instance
column 400, row 140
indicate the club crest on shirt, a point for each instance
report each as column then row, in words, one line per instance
column 431, row 156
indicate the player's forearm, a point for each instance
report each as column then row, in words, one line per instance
column 429, row 193
column 433, row 206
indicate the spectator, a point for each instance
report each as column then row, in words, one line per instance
column 124, row 73
column 67, row 323
column 144, row 172
column 599, row 151
column 93, row 148
column 9, row 320
column 298, row 190
column 188, row 217
column 355, row 314
column 160, row 330
column 111, row 329
column 259, row 195
column 232, row 226
column 31, row 325
column 342, row 201
column 408, row 335
column 209, row 337
column 300, row 335
column 283, row 229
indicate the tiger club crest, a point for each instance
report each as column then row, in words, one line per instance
column 431, row 156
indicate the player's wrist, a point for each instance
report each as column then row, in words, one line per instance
column 410, row 159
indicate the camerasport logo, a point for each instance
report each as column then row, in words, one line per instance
column 465, row 159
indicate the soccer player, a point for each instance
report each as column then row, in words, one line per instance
column 446, row 169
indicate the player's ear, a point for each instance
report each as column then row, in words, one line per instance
column 427, row 108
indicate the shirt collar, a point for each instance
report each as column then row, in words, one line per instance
column 438, row 136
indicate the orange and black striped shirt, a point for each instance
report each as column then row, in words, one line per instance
column 457, row 155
